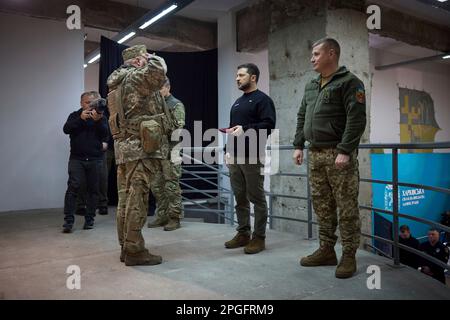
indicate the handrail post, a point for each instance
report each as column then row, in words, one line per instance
column 219, row 194
column 395, row 203
column 308, row 195
column 270, row 212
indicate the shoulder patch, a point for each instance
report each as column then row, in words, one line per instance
column 360, row 95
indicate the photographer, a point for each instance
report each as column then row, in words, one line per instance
column 88, row 129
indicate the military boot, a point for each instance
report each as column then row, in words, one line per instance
column 240, row 239
column 173, row 224
column 143, row 258
column 158, row 222
column 257, row 244
column 324, row 256
column 347, row 265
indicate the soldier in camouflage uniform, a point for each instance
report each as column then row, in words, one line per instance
column 138, row 124
column 170, row 218
column 332, row 118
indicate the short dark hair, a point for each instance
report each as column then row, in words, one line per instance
column 252, row 69
column 330, row 43
column 404, row 228
column 166, row 82
column 434, row 229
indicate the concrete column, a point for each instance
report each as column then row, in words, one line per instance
column 295, row 25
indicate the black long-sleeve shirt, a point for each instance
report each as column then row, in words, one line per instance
column 86, row 137
column 254, row 110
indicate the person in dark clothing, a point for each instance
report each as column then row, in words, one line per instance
column 107, row 162
column 406, row 257
column 436, row 249
column 87, row 130
column 446, row 222
column 252, row 119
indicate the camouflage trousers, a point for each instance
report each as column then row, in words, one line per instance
column 135, row 179
column 335, row 190
column 169, row 188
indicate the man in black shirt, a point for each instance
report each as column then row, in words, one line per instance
column 87, row 130
column 406, row 257
column 252, row 117
column 436, row 249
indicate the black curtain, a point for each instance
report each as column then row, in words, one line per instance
column 193, row 77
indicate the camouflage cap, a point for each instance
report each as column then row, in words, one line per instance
column 134, row 51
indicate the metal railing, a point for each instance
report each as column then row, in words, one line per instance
column 228, row 212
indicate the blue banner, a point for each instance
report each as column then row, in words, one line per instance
column 431, row 169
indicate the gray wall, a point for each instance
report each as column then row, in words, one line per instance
column 42, row 79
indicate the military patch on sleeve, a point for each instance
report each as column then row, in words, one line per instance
column 360, row 95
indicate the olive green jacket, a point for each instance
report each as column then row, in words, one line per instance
column 332, row 116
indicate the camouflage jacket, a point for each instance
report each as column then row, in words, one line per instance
column 333, row 115
column 140, row 98
column 176, row 107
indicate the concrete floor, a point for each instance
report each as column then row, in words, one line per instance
column 34, row 256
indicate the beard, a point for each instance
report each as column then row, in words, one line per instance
column 244, row 86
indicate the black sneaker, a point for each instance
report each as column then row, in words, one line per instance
column 103, row 211
column 67, row 229
column 88, row 225
column 81, row 212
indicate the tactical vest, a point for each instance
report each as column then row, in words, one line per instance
column 149, row 129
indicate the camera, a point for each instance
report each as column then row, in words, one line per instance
column 99, row 105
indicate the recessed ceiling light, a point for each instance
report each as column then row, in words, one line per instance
column 158, row 16
column 446, row 57
column 94, row 58
column 128, row 36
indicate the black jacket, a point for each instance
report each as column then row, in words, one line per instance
column 438, row 251
column 409, row 258
column 86, row 137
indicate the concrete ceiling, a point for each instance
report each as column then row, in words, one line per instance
column 94, row 35
column 212, row 10
column 428, row 10
column 204, row 10
column 398, row 47
column 405, row 50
